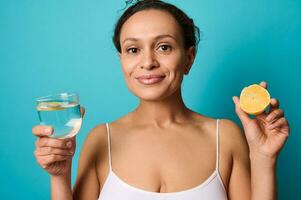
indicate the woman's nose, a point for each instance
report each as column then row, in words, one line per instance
column 149, row 61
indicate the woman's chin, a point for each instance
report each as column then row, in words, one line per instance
column 151, row 95
column 154, row 93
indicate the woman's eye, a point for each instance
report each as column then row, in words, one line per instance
column 132, row 50
column 165, row 47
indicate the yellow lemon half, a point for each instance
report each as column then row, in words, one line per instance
column 254, row 99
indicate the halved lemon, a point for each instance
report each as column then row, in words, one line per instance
column 254, row 99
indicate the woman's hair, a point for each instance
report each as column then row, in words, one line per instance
column 190, row 32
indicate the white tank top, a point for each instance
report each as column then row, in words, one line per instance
column 114, row 188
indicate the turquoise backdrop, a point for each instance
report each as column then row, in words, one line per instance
column 50, row 46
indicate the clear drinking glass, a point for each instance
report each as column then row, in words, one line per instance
column 62, row 112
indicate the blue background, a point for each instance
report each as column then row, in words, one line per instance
column 65, row 45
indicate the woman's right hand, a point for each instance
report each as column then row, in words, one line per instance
column 54, row 155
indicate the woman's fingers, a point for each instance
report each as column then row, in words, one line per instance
column 274, row 104
column 263, row 84
column 42, row 131
column 44, row 151
column 50, row 151
column 56, row 143
column 278, row 123
column 244, row 117
column 45, row 161
column 274, row 115
column 82, row 111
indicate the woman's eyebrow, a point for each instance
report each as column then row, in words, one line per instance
column 156, row 38
column 130, row 39
column 165, row 36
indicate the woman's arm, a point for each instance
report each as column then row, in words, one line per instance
column 61, row 187
column 87, row 185
column 263, row 177
column 55, row 157
column 266, row 134
column 253, row 176
column 239, row 186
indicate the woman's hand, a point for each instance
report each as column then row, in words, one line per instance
column 54, row 155
column 267, row 132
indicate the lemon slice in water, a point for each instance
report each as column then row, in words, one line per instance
column 49, row 106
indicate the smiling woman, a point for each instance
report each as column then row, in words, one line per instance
column 154, row 55
column 162, row 149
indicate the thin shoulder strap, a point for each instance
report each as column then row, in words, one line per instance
column 217, row 144
column 109, row 146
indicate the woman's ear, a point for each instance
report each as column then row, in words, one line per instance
column 190, row 55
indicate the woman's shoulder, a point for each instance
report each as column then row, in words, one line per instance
column 233, row 138
column 99, row 131
column 230, row 126
column 95, row 141
column 226, row 126
column 211, row 122
column 97, row 138
column 231, row 135
column 93, row 152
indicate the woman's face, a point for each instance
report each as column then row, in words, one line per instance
column 152, row 55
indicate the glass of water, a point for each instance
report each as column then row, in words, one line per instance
column 62, row 112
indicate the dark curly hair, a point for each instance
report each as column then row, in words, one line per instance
column 190, row 32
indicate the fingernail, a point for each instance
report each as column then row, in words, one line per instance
column 269, row 118
column 48, row 130
column 69, row 144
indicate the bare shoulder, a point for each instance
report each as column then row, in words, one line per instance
column 234, row 137
column 97, row 134
column 95, row 148
column 235, row 141
column 95, row 141
column 92, row 152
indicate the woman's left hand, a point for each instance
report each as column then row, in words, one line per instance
column 267, row 132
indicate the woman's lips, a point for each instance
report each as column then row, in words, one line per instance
column 149, row 79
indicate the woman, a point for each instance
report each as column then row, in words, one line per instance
column 162, row 149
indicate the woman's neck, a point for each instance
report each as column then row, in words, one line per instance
column 162, row 113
